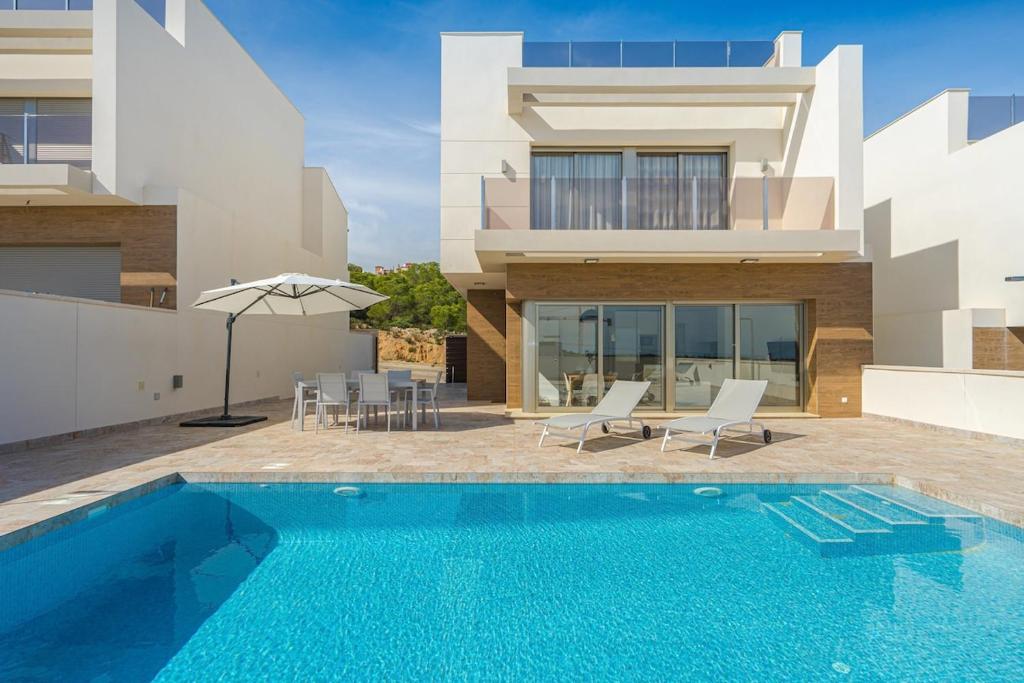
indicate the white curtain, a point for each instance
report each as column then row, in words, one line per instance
column 702, row 191
column 550, row 191
column 657, row 196
column 597, row 191
column 576, row 190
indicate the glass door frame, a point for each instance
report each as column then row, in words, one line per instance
column 529, row 348
column 802, row 388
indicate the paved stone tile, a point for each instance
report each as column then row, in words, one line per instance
column 58, row 484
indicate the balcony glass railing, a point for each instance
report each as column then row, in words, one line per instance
column 46, row 139
column 987, row 115
column 639, row 54
column 525, row 203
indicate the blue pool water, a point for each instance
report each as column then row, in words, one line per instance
column 524, row 582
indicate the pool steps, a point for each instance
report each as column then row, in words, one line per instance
column 858, row 520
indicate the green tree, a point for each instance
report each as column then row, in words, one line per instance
column 420, row 297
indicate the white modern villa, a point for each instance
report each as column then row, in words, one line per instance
column 145, row 158
column 674, row 212
column 943, row 225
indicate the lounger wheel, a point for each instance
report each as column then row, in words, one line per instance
column 646, row 431
column 767, row 434
column 605, row 428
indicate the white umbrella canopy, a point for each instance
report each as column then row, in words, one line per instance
column 289, row 294
column 286, row 294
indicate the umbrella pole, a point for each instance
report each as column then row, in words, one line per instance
column 227, row 369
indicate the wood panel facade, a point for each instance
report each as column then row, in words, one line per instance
column 998, row 348
column 146, row 236
column 836, row 298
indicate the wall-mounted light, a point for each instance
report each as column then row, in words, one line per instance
column 1015, row 278
column 749, row 260
column 591, row 260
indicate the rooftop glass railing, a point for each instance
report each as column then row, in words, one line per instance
column 989, row 114
column 720, row 53
column 46, row 139
column 155, row 8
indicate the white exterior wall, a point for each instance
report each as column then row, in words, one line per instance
column 983, row 401
column 183, row 116
column 942, row 223
column 827, row 135
column 820, row 136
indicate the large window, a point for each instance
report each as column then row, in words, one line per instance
column 576, row 191
column 46, row 131
column 686, row 352
column 686, row 191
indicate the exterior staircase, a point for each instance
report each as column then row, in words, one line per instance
column 866, row 520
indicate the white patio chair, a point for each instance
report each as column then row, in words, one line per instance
column 404, row 394
column 301, row 399
column 733, row 407
column 616, row 406
column 374, row 392
column 428, row 395
column 332, row 391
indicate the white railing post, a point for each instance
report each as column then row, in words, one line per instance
column 483, row 203
column 693, row 203
column 554, row 210
column 764, row 202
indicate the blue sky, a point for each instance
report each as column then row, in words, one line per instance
column 365, row 75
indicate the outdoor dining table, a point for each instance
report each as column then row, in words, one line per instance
column 353, row 384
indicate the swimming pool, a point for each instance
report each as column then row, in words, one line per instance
column 538, row 582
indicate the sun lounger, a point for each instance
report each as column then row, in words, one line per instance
column 733, row 407
column 616, row 406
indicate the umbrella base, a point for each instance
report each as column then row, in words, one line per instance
column 224, row 421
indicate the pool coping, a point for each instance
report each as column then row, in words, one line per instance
column 91, row 508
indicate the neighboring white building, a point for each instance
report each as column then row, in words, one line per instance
column 603, row 211
column 143, row 163
column 943, row 224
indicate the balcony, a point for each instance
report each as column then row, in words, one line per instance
column 46, row 139
column 989, row 114
column 660, row 219
column 550, row 203
column 623, row 54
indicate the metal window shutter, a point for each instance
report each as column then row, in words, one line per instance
column 87, row 272
column 64, row 131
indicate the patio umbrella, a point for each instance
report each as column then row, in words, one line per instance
column 286, row 294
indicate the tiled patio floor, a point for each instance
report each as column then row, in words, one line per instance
column 477, row 443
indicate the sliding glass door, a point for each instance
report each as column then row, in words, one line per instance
column 567, row 361
column 704, row 355
column 770, row 350
column 582, row 349
column 686, row 352
column 633, row 348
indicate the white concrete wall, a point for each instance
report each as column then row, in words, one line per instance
column 985, row 401
column 826, row 136
column 72, row 364
column 942, row 222
column 184, row 117
column 822, row 136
